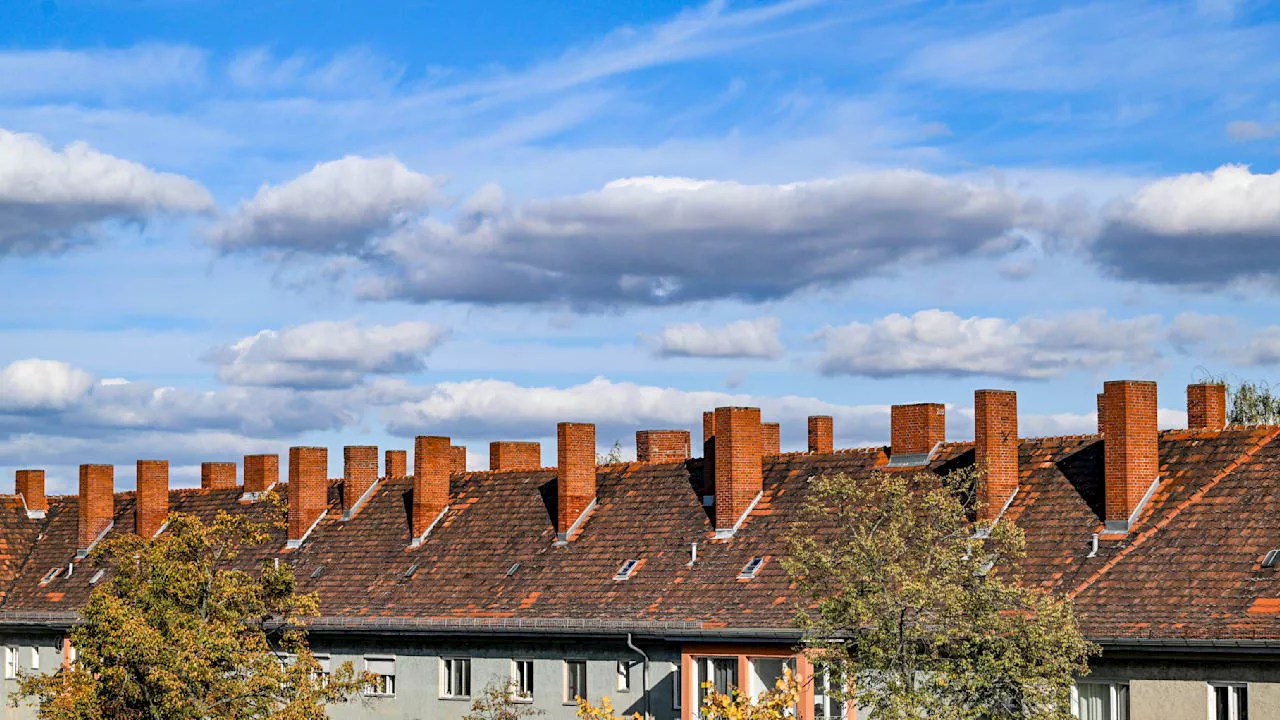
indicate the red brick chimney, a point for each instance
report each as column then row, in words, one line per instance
column 575, row 476
column 308, row 491
column 218, row 475
column 1206, row 406
column 261, row 473
column 97, row 505
column 1131, row 450
column 152, row 507
column 995, row 446
column 397, row 463
column 821, row 434
column 431, row 466
column 916, row 429
column 771, row 438
column 458, row 459
column 510, row 455
column 709, row 453
column 30, row 485
column 739, row 473
column 662, row 446
column 1102, row 413
column 359, row 473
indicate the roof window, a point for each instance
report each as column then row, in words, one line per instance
column 317, row 572
column 1272, row 559
column 49, row 576
column 97, row 577
column 751, row 568
column 413, row 569
column 512, row 570
column 627, row 570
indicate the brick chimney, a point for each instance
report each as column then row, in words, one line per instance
column 662, row 446
column 916, row 429
column 995, row 446
column 431, row 466
column 359, row 473
column 771, row 438
column 152, row 507
column 739, row 473
column 308, row 491
column 575, row 476
column 458, row 459
column 1131, row 450
column 397, row 463
column 709, row 453
column 1206, row 406
column 510, row 455
column 261, row 473
column 97, row 505
column 218, row 475
column 30, row 485
column 1102, row 412
column 821, row 434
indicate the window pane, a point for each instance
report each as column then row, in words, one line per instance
column 676, row 689
column 724, row 674
column 576, row 680
column 1095, row 701
column 766, row 673
column 1122, row 702
column 1221, row 703
column 380, row 666
column 1242, row 703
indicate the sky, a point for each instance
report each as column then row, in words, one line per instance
column 228, row 228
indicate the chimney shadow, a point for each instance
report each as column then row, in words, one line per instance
column 701, row 483
column 407, row 500
column 550, row 501
column 968, row 494
column 1085, row 469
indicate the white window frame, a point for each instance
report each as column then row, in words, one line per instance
column 517, row 677
column 822, row 683
column 569, row 698
column 447, row 690
column 325, row 661
column 11, row 663
column 677, row 688
column 34, row 663
column 385, row 685
column 1113, row 694
column 623, row 673
column 1233, row 702
column 698, row 679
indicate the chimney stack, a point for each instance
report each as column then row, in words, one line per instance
column 359, row 473
column 1131, row 450
column 308, row 491
column 771, row 438
column 261, row 473
column 431, row 466
column 97, row 505
column 1206, row 406
column 30, row 485
column 152, row 507
column 1102, row 412
column 995, row 445
column 397, row 463
column 510, row 455
column 218, row 475
column 662, row 446
column 917, row 429
column 821, row 434
column 575, row 476
column 458, row 459
column 708, row 453
column 739, row 473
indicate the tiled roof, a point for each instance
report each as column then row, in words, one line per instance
column 1188, row 569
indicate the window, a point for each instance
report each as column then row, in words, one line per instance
column 1101, row 701
column 455, row 677
column 624, row 676
column 766, row 672
column 10, row 663
column 676, row 689
column 720, row 672
column 1228, row 701
column 626, row 570
column 384, row 668
column 828, row 695
column 325, row 669
column 522, row 671
column 34, row 659
column 751, row 568
column 575, row 680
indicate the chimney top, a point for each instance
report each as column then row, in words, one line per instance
column 915, row 431
column 575, row 476
column 662, row 446
column 821, row 434
column 1206, row 406
column 1130, row 449
column 30, row 485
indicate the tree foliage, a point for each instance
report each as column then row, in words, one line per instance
column 1249, row 402
column 501, row 701
column 777, row 703
column 923, row 610
column 180, row 632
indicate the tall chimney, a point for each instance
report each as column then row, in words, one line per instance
column 30, row 485
column 575, row 475
column 308, row 491
column 431, row 465
column 1131, row 450
column 995, row 447
column 397, row 463
column 821, row 434
column 662, row 446
column 1102, row 412
column 218, row 475
column 739, row 473
column 511, row 455
column 458, row 459
column 152, row 507
column 261, row 473
column 1206, row 406
column 97, row 505
column 359, row 473
column 917, row 429
column 770, row 438
column 709, row 453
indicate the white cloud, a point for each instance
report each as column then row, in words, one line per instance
column 742, row 339
column 50, row 199
column 1246, row 130
column 326, row 354
column 36, row 384
column 336, row 206
column 356, row 71
column 107, row 73
column 938, row 342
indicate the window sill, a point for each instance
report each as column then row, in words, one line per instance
column 463, row 698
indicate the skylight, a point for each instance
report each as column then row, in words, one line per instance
column 97, row 577
column 1272, row 559
column 49, row 576
column 316, row 573
column 512, row 570
column 627, row 569
column 413, row 569
column 751, row 568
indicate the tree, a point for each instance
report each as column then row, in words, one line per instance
column 613, row 456
column 179, row 632
column 501, row 702
column 1249, row 402
column 776, row 703
column 922, row 609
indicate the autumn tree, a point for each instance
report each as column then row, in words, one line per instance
column 501, row 701
column 182, row 630
column 776, row 703
column 921, row 611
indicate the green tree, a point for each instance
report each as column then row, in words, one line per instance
column 923, row 610
column 501, row 701
column 181, row 632
column 613, row 456
column 1249, row 402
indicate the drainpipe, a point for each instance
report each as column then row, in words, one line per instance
column 644, row 675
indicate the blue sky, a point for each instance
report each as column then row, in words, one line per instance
column 232, row 227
